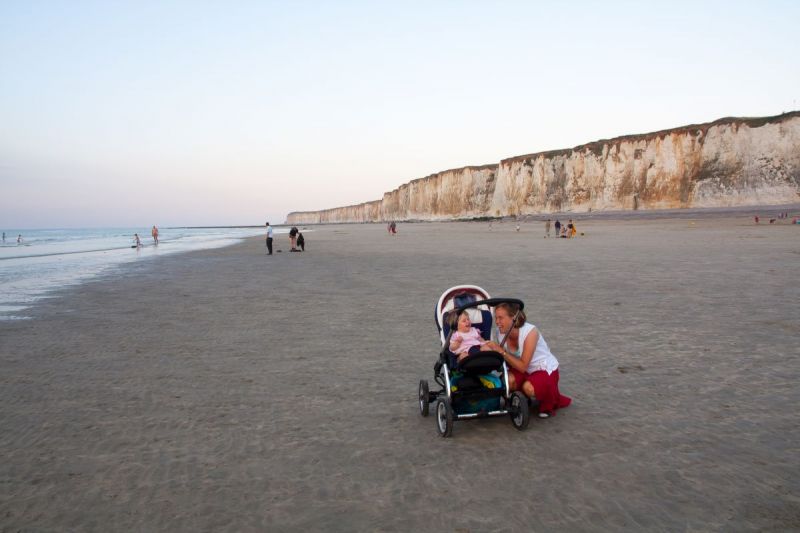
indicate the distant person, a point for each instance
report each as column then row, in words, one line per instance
column 564, row 233
column 19, row 239
column 547, row 229
column 137, row 241
column 154, row 233
column 293, row 238
column 269, row 239
column 393, row 227
column 517, row 227
column 756, row 219
column 389, row 227
column 573, row 228
column 4, row 236
column 301, row 241
column 558, row 228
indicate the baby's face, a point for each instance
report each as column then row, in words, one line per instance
column 464, row 323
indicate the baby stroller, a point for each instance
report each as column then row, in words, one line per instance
column 476, row 386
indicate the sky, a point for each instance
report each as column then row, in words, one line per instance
column 224, row 113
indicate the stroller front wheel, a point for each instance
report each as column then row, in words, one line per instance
column 519, row 411
column 424, row 396
column 444, row 417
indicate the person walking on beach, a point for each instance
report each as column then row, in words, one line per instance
column 547, row 229
column 154, row 233
column 269, row 239
column 393, row 228
column 558, row 228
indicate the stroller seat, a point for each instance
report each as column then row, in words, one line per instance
column 482, row 321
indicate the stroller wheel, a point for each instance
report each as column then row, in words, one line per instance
column 519, row 411
column 423, row 397
column 444, row 417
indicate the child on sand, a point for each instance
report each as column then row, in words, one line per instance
column 466, row 340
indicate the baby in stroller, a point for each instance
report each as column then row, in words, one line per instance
column 466, row 340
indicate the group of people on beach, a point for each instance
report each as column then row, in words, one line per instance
column 532, row 366
column 19, row 238
column 781, row 216
column 563, row 231
column 296, row 240
column 137, row 241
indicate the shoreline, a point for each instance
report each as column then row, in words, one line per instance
column 57, row 258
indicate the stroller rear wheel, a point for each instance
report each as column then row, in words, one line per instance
column 444, row 417
column 424, row 396
column 519, row 411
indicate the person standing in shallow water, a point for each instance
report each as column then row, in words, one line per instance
column 154, row 233
column 269, row 239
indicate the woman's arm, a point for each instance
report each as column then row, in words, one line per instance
column 521, row 363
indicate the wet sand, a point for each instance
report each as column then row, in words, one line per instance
column 227, row 390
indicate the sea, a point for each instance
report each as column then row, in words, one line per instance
column 47, row 259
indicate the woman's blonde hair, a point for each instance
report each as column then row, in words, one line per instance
column 514, row 310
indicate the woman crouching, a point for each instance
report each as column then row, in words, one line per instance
column 531, row 365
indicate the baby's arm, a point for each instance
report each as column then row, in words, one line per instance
column 455, row 341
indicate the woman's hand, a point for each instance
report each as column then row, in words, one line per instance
column 491, row 346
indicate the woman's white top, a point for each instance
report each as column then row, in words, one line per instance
column 542, row 358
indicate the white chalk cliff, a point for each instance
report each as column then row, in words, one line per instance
column 728, row 162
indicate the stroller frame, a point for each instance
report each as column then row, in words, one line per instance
column 513, row 404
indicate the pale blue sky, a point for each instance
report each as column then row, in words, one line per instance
column 172, row 113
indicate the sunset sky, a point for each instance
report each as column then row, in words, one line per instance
column 198, row 113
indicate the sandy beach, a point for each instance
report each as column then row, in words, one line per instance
column 224, row 390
